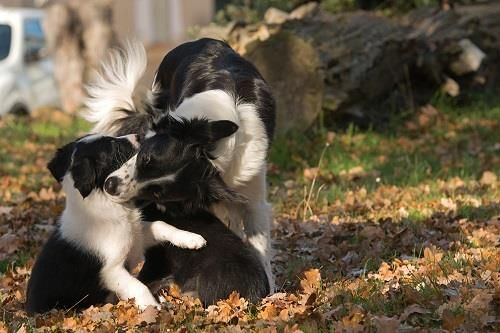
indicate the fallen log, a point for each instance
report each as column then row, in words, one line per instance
column 363, row 67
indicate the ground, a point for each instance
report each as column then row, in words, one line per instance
column 379, row 231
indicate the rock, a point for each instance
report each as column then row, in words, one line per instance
column 469, row 60
column 304, row 10
column 275, row 16
column 450, row 87
column 215, row 31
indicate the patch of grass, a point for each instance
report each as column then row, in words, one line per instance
column 11, row 263
column 453, row 147
column 478, row 213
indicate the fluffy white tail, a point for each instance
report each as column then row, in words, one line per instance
column 111, row 94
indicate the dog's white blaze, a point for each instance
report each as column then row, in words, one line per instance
column 150, row 133
column 114, row 87
column 167, row 178
column 239, row 157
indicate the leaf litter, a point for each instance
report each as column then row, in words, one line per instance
column 424, row 257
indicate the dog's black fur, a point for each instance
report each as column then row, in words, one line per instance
column 65, row 275
column 209, row 64
column 183, row 148
column 224, row 265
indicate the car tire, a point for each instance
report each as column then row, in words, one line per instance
column 19, row 110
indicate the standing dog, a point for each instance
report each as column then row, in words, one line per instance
column 190, row 185
column 203, row 79
column 85, row 259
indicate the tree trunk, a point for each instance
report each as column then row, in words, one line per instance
column 78, row 34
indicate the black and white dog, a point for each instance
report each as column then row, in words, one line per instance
column 191, row 185
column 199, row 80
column 85, row 259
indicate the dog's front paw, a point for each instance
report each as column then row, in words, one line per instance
column 143, row 301
column 189, row 240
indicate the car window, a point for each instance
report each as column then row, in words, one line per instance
column 5, row 40
column 33, row 35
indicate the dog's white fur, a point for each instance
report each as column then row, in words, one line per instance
column 241, row 158
column 117, row 235
column 114, row 87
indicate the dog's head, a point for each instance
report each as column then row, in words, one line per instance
column 91, row 159
column 175, row 165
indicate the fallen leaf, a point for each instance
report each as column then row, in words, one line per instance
column 451, row 320
column 385, row 324
column 149, row 315
column 448, row 204
column 311, row 173
column 9, row 243
column 488, row 178
column 21, row 329
column 311, row 280
column 412, row 309
column 269, row 312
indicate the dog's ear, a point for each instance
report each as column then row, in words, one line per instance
column 84, row 176
column 216, row 130
column 219, row 191
column 61, row 161
column 197, row 130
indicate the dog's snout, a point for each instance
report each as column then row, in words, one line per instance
column 111, row 185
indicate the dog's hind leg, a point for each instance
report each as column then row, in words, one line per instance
column 257, row 221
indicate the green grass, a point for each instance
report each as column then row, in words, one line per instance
column 396, row 156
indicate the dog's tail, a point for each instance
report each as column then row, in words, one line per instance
column 111, row 94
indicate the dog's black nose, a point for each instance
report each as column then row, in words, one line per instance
column 111, row 185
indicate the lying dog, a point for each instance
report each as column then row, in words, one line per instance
column 85, row 259
column 190, row 186
column 199, row 79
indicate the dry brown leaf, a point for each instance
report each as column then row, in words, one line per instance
column 412, row 309
column 69, row 323
column 451, row 321
column 149, row 315
column 284, row 314
column 480, row 302
column 9, row 243
column 354, row 320
column 330, row 137
column 292, row 329
column 432, row 255
column 488, row 178
column 269, row 312
column 448, row 204
column 385, row 324
column 311, row 280
column 311, row 173
column 3, row 328
column 21, row 329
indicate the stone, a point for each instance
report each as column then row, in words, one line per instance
column 470, row 58
column 275, row 16
column 304, row 10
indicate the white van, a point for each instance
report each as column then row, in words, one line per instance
column 26, row 72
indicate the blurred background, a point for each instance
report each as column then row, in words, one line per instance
column 384, row 171
column 329, row 62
